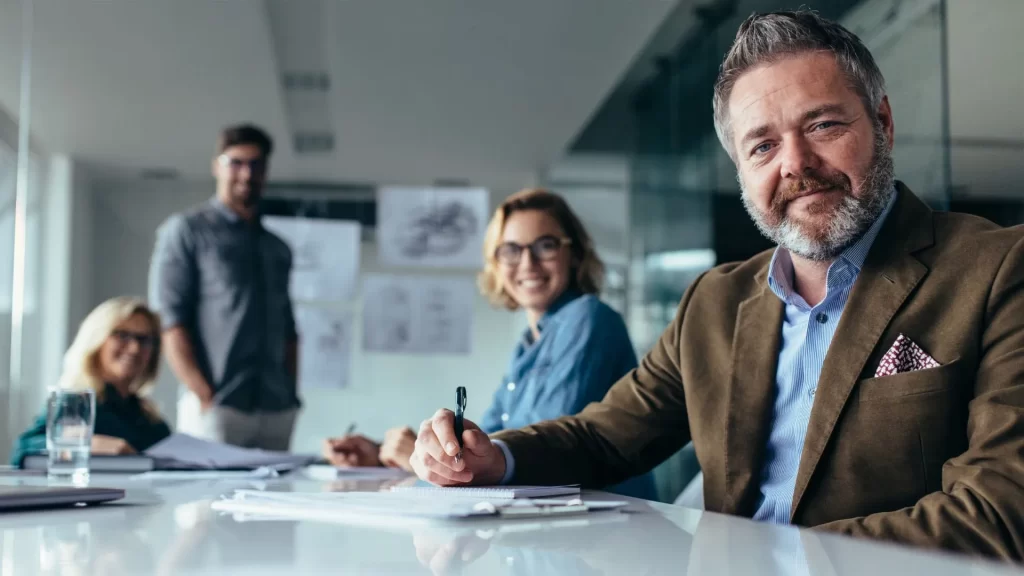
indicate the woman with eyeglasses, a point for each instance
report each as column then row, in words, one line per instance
column 116, row 353
column 539, row 259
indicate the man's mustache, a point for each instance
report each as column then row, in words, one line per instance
column 809, row 184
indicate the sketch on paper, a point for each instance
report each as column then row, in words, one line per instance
column 431, row 227
column 325, row 256
column 417, row 314
column 325, row 343
column 394, row 311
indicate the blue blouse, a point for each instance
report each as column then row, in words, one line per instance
column 583, row 350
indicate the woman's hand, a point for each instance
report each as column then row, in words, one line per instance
column 110, row 446
column 397, row 448
column 353, row 450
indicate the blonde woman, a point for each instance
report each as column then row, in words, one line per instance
column 538, row 258
column 116, row 353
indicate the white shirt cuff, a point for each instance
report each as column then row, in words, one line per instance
column 510, row 462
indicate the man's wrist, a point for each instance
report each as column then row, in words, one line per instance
column 508, row 460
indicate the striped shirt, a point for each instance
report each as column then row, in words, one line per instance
column 806, row 334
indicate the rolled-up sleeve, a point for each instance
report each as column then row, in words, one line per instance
column 173, row 277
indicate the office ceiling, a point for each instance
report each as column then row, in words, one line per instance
column 416, row 91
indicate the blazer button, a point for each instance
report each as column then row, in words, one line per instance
column 511, row 386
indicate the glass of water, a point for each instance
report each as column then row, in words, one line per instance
column 70, row 415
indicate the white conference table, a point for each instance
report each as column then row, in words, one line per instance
column 167, row 527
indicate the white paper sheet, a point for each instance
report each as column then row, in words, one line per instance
column 256, row 474
column 327, row 473
column 431, row 227
column 325, row 256
column 189, row 450
column 325, row 348
column 417, row 314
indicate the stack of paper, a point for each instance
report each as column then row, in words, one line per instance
column 181, row 451
column 398, row 507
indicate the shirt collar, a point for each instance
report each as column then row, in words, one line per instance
column 229, row 214
column 550, row 314
column 780, row 270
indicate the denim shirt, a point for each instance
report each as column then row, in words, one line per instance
column 583, row 350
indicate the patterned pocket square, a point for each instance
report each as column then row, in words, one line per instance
column 904, row 356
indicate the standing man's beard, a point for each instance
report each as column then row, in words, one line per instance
column 850, row 219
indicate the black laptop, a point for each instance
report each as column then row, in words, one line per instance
column 27, row 497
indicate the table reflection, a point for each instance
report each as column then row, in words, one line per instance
column 73, row 548
column 205, row 538
column 577, row 546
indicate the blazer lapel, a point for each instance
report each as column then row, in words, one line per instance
column 751, row 395
column 889, row 275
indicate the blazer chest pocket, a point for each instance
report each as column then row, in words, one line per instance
column 942, row 379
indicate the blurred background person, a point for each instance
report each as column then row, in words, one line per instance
column 539, row 258
column 116, row 353
column 220, row 283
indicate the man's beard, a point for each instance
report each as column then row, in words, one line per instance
column 249, row 198
column 849, row 220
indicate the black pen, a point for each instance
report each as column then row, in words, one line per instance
column 460, row 413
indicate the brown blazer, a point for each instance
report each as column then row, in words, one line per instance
column 932, row 458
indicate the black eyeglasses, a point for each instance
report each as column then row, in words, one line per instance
column 126, row 336
column 543, row 248
column 235, row 164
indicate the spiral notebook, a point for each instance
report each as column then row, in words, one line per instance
column 491, row 492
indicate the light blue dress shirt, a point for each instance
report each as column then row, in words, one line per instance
column 806, row 335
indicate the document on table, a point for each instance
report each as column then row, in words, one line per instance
column 489, row 492
column 327, row 472
column 260, row 473
column 390, row 508
column 181, row 451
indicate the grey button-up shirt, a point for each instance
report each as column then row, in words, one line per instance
column 225, row 281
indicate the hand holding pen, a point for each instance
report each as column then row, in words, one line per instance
column 449, row 456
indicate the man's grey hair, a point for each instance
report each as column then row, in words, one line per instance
column 766, row 38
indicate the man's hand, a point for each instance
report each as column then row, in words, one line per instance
column 397, row 448
column 353, row 450
column 445, row 552
column 434, row 458
column 110, row 446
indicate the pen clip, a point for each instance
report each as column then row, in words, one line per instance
column 460, row 412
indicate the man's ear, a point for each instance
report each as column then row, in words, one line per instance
column 884, row 117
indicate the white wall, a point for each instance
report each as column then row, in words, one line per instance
column 386, row 390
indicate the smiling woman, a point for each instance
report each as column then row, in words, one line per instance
column 116, row 353
column 539, row 258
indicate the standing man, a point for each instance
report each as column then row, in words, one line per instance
column 220, row 282
column 866, row 377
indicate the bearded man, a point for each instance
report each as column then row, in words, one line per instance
column 865, row 377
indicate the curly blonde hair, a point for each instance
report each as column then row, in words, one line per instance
column 81, row 361
column 587, row 272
